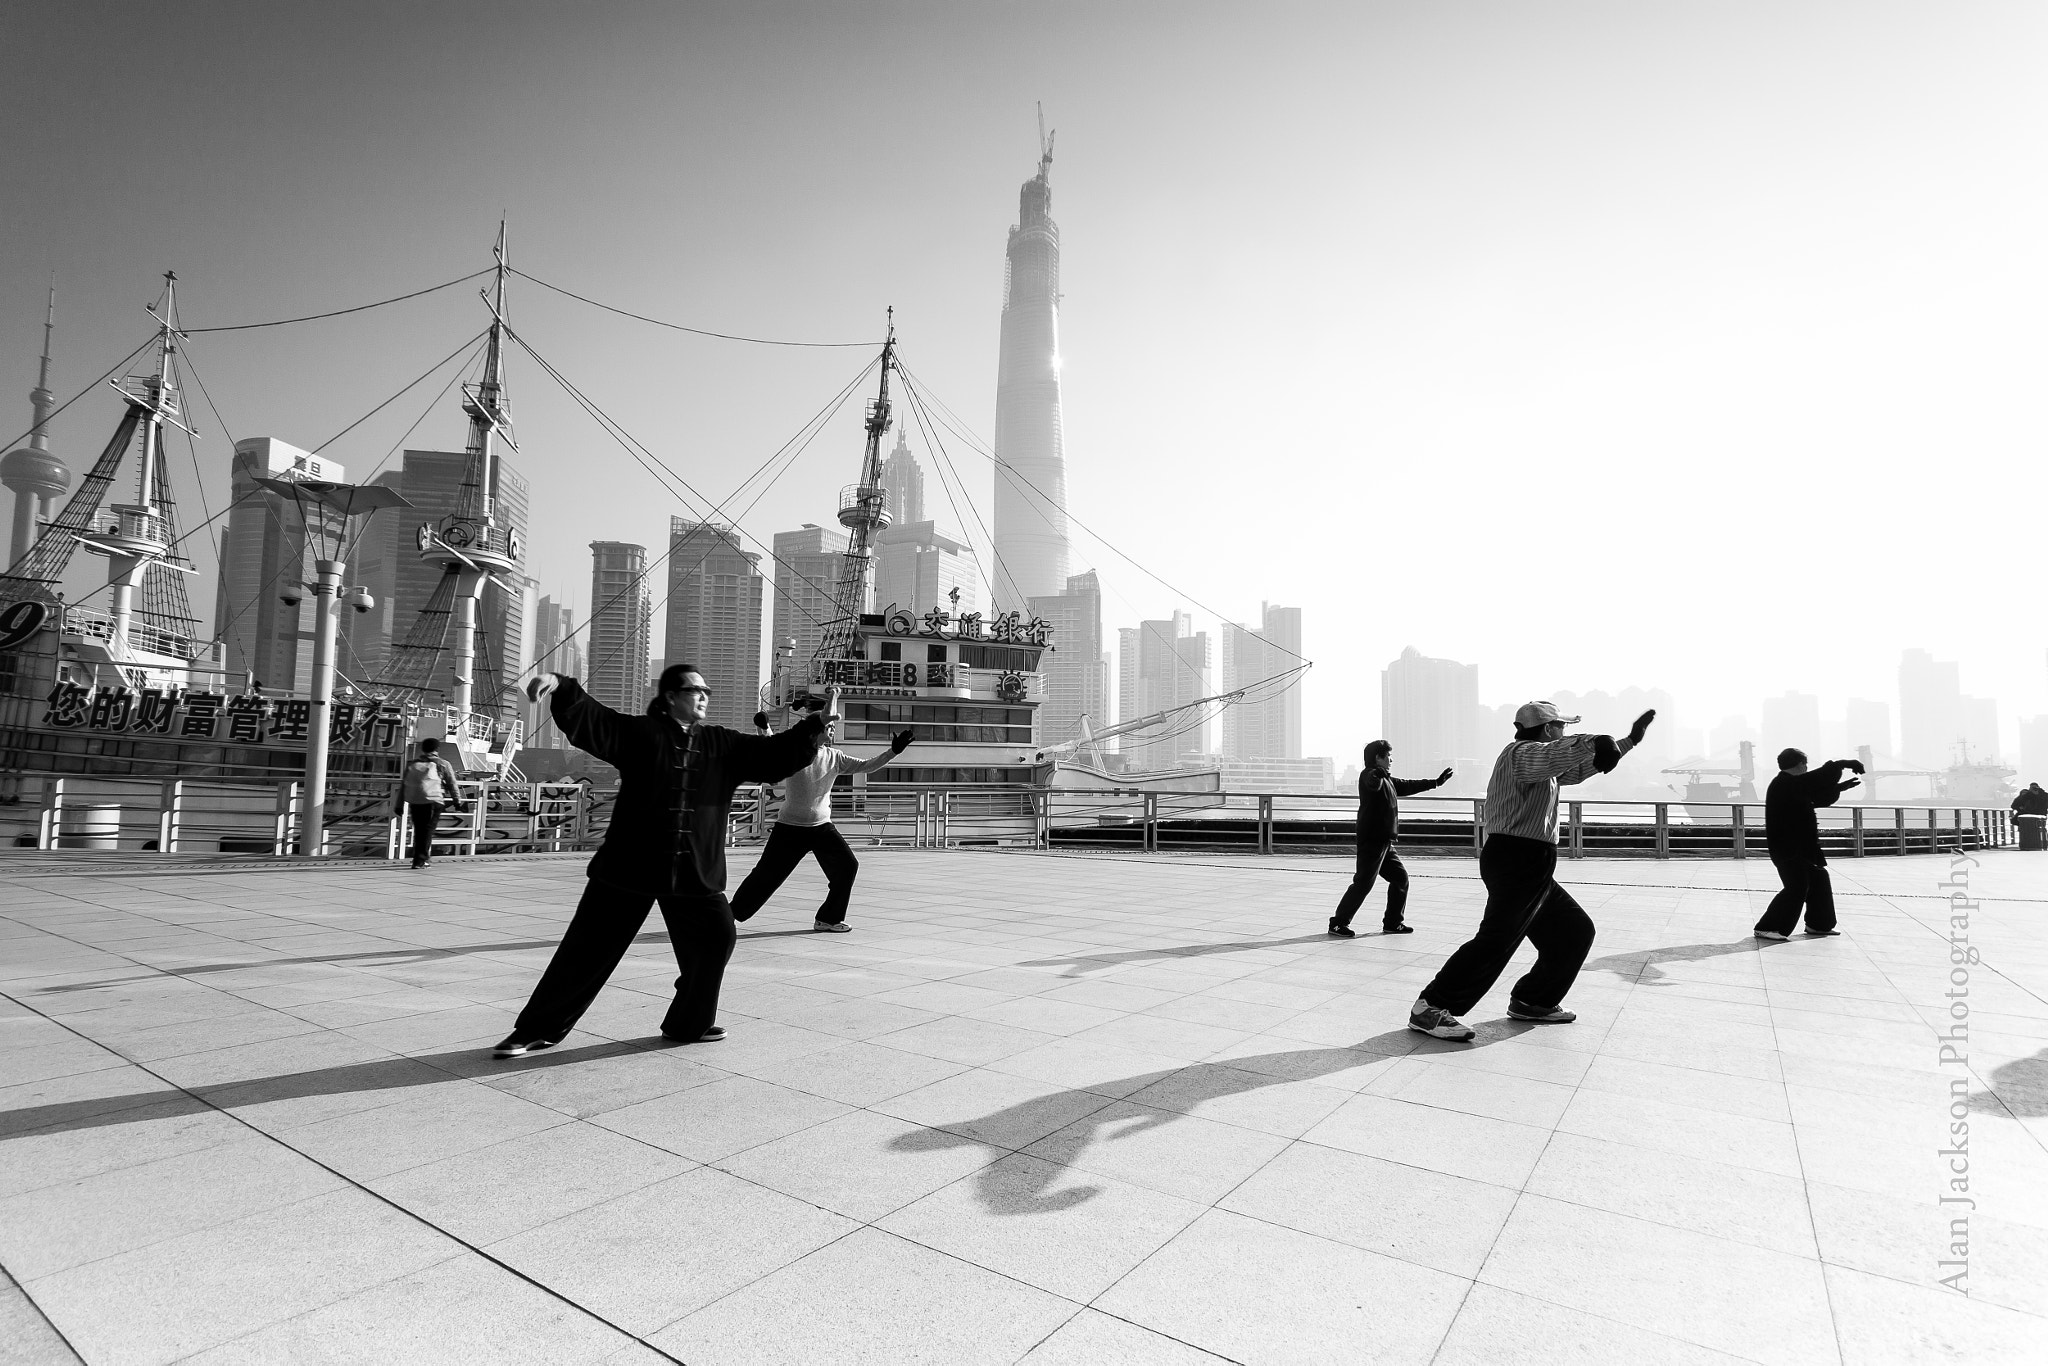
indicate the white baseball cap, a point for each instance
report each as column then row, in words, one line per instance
column 1540, row 714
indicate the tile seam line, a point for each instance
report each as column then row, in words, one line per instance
column 1983, row 1081
column 1522, row 1190
column 1827, row 1291
column 48, row 1322
column 354, row 1184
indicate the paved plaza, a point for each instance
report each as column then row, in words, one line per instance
column 1039, row 1108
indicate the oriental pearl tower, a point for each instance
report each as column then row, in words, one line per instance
column 37, row 477
column 1031, row 473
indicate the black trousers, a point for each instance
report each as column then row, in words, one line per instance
column 1807, row 885
column 425, row 816
column 787, row 845
column 1376, row 861
column 1523, row 901
column 699, row 929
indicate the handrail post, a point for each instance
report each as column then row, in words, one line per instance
column 1740, row 831
column 1899, row 825
column 1265, row 823
column 53, row 810
column 1663, row 830
column 945, row 817
column 1151, row 822
column 1856, row 831
column 1478, row 825
column 167, row 813
column 1575, row 847
column 1044, row 813
column 1933, row 829
column 281, row 823
column 476, row 825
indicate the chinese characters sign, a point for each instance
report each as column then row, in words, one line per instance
column 1009, row 628
column 887, row 673
column 241, row 718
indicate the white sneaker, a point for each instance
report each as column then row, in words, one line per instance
column 1438, row 1024
column 1772, row 935
column 831, row 927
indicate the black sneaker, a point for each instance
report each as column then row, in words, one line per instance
column 1554, row 1015
column 1397, row 929
column 1341, row 931
column 516, row 1047
column 711, row 1035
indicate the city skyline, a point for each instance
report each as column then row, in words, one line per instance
column 1295, row 300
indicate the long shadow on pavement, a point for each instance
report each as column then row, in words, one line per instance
column 1641, row 966
column 384, row 1074
column 1110, row 960
column 1020, row 1189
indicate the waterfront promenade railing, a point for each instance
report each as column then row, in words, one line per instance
column 192, row 816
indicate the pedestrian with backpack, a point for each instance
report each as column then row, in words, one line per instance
column 428, row 788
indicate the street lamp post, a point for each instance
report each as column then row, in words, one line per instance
column 344, row 502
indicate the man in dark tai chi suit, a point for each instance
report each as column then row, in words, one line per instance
column 1517, row 863
column 666, row 844
column 1793, row 833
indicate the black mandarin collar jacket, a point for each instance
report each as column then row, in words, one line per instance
column 667, row 833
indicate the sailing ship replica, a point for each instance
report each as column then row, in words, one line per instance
column 968, row 685
column 120, row 725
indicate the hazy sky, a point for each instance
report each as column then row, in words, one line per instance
column 1684, row 345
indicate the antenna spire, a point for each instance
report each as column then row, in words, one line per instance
column 1044, row 145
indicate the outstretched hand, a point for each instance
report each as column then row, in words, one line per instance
column 1853, row 765
column 1641, row 727
column 1844, row 787
column 540, row 685
column 760, row 720
column 900, row 741
column 1444, row 776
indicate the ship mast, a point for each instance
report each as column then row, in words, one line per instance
column 863, row 511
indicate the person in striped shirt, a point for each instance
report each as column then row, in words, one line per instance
column 1518, row 863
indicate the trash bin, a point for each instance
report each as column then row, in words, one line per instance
column 89, row 827
column 2032, row 830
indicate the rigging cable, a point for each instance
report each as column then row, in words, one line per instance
column 104, row 376
column 342, row 312
column 677, row 327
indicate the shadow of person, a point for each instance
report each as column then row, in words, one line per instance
column 1150, row 1100
column 1080, row 965
column 1642, row 965
column 383, row 1074
column 2019, row 1087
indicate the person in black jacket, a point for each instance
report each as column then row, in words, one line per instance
column 1379, row 822
column 666, row 844
column 1793, row 833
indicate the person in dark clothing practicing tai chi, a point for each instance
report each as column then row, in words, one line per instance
column 1793, row 833
column 666, row 844
column 805, row 827
column 1518, row 863
column 1379, row 825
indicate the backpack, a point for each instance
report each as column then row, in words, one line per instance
column 423, row 785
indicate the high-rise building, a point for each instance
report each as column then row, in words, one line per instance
column 1791, row 722
column 1076, row 672
column 1980, row 730
column 807, row 568
column 1268, row 725
column 1930, row 710
column 1164, row 664
column 1031, row 470
column 620, row 617
column 1429, row 712
column 557, row 649
column 432, row 482
column 1867, row 723
column 264, row 546
column 918, row 567
column 903, row 483
column 714, row 616
column 366, row 637
column 2034, row 749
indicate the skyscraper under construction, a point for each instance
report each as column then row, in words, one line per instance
column 1031, row 480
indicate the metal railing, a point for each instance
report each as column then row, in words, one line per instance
column 494, row 816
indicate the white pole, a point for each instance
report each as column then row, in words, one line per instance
column 326, row 587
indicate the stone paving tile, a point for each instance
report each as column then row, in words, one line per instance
column 1125, row 1108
